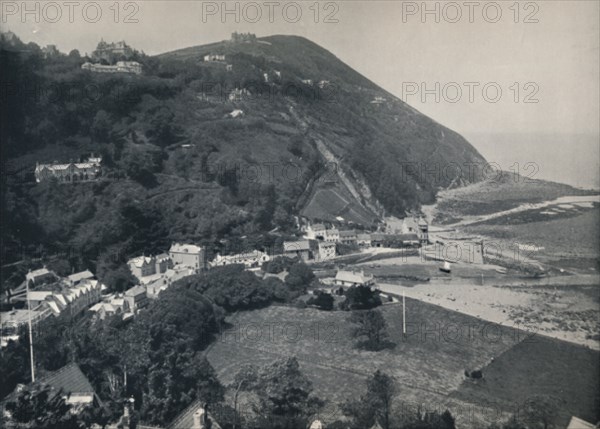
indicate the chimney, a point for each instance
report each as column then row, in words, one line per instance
column 199, row 419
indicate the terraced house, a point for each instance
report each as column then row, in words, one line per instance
column 70, row 172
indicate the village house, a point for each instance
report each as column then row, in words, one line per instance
column 409, row 225
column 252, row 259
column 239, row 94
column 352, row 278
column 70, row 172
column 378, row 100
column 132, row 67
column 74, row 386
column 363, row 240
column 75, row 299
column 111, row 306
column 12, row 322
column 326, row 250
column 307, row 81
column 60, row 297
column 195, row 416
column 303, row 249
column 40, row 276
column 378, row 239
column 394, row 240
column 188, row 255
column 348, row 237
column 214, row 58
column 76, row 278
column 144, row 266
column 333, row 235
column 156, row 284
column 318, row 231
column 577, row 423
column 136, row 298
column 236, row 113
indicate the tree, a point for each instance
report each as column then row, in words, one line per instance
column 361, row 298
column 101, row 126
column 37, row 406
column 285, row 396
column 372, row 327
column 430, row 420
column 540, row 411
column 299, row 276
column 245, row 380
column 375, row 406
column 322, row 300
column 75, row 54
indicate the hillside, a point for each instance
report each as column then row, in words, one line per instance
column 177, row 166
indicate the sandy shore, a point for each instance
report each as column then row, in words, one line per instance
column 550, row 312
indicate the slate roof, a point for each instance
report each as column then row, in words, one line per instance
column 295, row 246
column 70, row 379
column 87, row 274
column 353, row 277
column 576, row 423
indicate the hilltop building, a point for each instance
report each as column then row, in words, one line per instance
column 110, row 52
column 214, row 58
column 50, row 51
column 243, row 37
column 69, row 172
column 132, row 67
column 239, row 94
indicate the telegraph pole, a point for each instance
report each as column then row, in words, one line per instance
column 403, row 313
column 30, row 334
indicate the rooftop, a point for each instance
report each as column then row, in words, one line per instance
column 353, row 277
column 185, row 248
column 295, row 246
column 87, row 274
column 136, row 290
column 70, row 379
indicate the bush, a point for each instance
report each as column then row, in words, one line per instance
column 299, row 277
column 322, row 300
column 278, row 265
column 361, row 298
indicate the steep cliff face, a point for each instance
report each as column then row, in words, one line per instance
column 381, row 154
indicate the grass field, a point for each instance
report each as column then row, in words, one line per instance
column 428, row 363
column 334, row 200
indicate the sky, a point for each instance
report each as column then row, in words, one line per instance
column 481, row 68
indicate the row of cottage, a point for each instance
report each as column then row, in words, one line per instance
column 408, row 231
